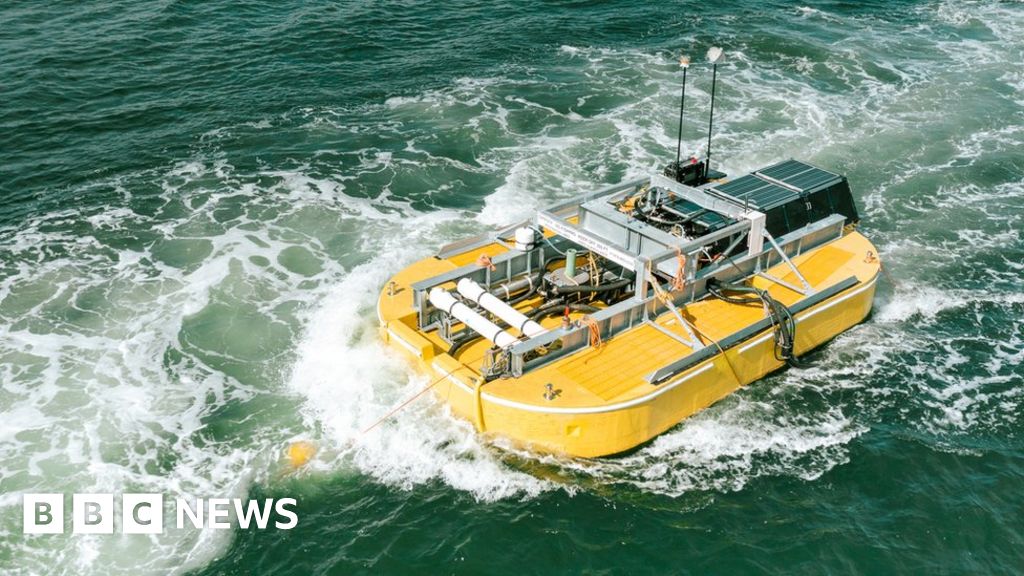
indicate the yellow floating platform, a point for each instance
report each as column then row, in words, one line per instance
column 609, row 382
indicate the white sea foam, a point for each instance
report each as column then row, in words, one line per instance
column 724, row 449
column 125, row 398
column 349, row 380
column 110, row 398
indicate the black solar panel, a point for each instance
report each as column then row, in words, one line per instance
column 755, row 192
column 799, row 175
column 811, row 179
column 684, row 207
column 784, row 170
column 713, row 220
column 790, row 194
column 742, row 185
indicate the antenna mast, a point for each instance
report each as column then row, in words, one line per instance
column 715, row 55
column 684, row 61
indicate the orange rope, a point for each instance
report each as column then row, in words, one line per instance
column 485, row 261
column 398, row 408
column 402, row 405
column 872, row 258
column 720, row 351
column 679, row 281
column 595, row 331
column 659, row 292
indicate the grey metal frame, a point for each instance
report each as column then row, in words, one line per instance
column 643, row 306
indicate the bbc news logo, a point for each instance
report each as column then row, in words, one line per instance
column 144, row 513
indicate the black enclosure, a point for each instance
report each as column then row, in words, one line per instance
column 791, row 194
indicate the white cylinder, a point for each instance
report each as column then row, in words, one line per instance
column 443, row 300
column 499, row 308
column 525, row 238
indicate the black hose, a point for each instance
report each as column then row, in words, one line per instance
column 556, row 306
column 459, row 343
column 587, row 289
column 641, row 214
column 545, row 307
column 781, row 317
column 717, row 290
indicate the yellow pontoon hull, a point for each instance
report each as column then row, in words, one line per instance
column 604, row 405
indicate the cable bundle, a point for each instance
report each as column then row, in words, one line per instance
column 781, row 318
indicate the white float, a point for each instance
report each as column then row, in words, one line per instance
column 443, row 300
column 499, row 308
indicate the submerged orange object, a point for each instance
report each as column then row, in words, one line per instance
column 300, row 453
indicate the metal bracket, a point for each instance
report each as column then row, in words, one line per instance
column 496, row 363
column 807, row 290
column 692, row 344
column 445, row 328
column 782, row 283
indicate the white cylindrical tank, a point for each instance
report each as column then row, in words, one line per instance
column 496, row 306
column 525, row 238
column 443, row 300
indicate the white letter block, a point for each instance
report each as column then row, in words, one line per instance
column 92, row 514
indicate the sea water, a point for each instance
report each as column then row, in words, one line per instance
column 200, row 202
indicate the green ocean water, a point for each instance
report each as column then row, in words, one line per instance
column 200, row 201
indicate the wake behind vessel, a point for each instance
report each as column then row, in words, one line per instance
column 609, row 318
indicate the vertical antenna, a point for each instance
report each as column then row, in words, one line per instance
column 715, row 55
column 684, row 61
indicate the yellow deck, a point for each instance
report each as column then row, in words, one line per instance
column 604, row 405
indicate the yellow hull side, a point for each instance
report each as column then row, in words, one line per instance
column 624, row 412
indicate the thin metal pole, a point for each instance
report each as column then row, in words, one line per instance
column 682, row 103
column 711, row 119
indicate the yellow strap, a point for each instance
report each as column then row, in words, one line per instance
column 479, row 406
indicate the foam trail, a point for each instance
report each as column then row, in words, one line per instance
column 423, row 442
column 117, row 359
